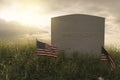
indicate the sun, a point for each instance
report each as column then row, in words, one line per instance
column 28, row 16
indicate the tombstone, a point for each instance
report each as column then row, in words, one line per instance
column 78, row 32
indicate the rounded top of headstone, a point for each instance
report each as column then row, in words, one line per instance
column 79, row 16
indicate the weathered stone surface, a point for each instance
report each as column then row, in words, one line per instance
column 78, row 32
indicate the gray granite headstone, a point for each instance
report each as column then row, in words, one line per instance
column 78, row 32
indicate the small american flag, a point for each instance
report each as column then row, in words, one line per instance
column 44, row 49
column 106, row 57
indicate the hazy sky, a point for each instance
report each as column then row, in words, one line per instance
column 34, row 9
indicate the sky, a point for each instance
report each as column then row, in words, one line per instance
column 39, row 12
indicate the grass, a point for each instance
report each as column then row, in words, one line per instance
column 18, row 61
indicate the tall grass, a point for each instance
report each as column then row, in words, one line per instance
column 18, row 61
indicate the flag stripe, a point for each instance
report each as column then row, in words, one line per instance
column 44, row 49
column 112, row 62
column 105, row 56
column 47, row 55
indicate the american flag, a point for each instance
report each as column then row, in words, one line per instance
column 44, row 49
column 106, row 57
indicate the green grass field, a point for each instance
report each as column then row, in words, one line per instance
column 18, row 61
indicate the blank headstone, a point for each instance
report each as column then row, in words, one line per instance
column 78, row 32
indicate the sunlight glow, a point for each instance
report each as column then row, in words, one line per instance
column 28, row 16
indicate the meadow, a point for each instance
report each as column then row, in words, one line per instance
column 18, row 61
